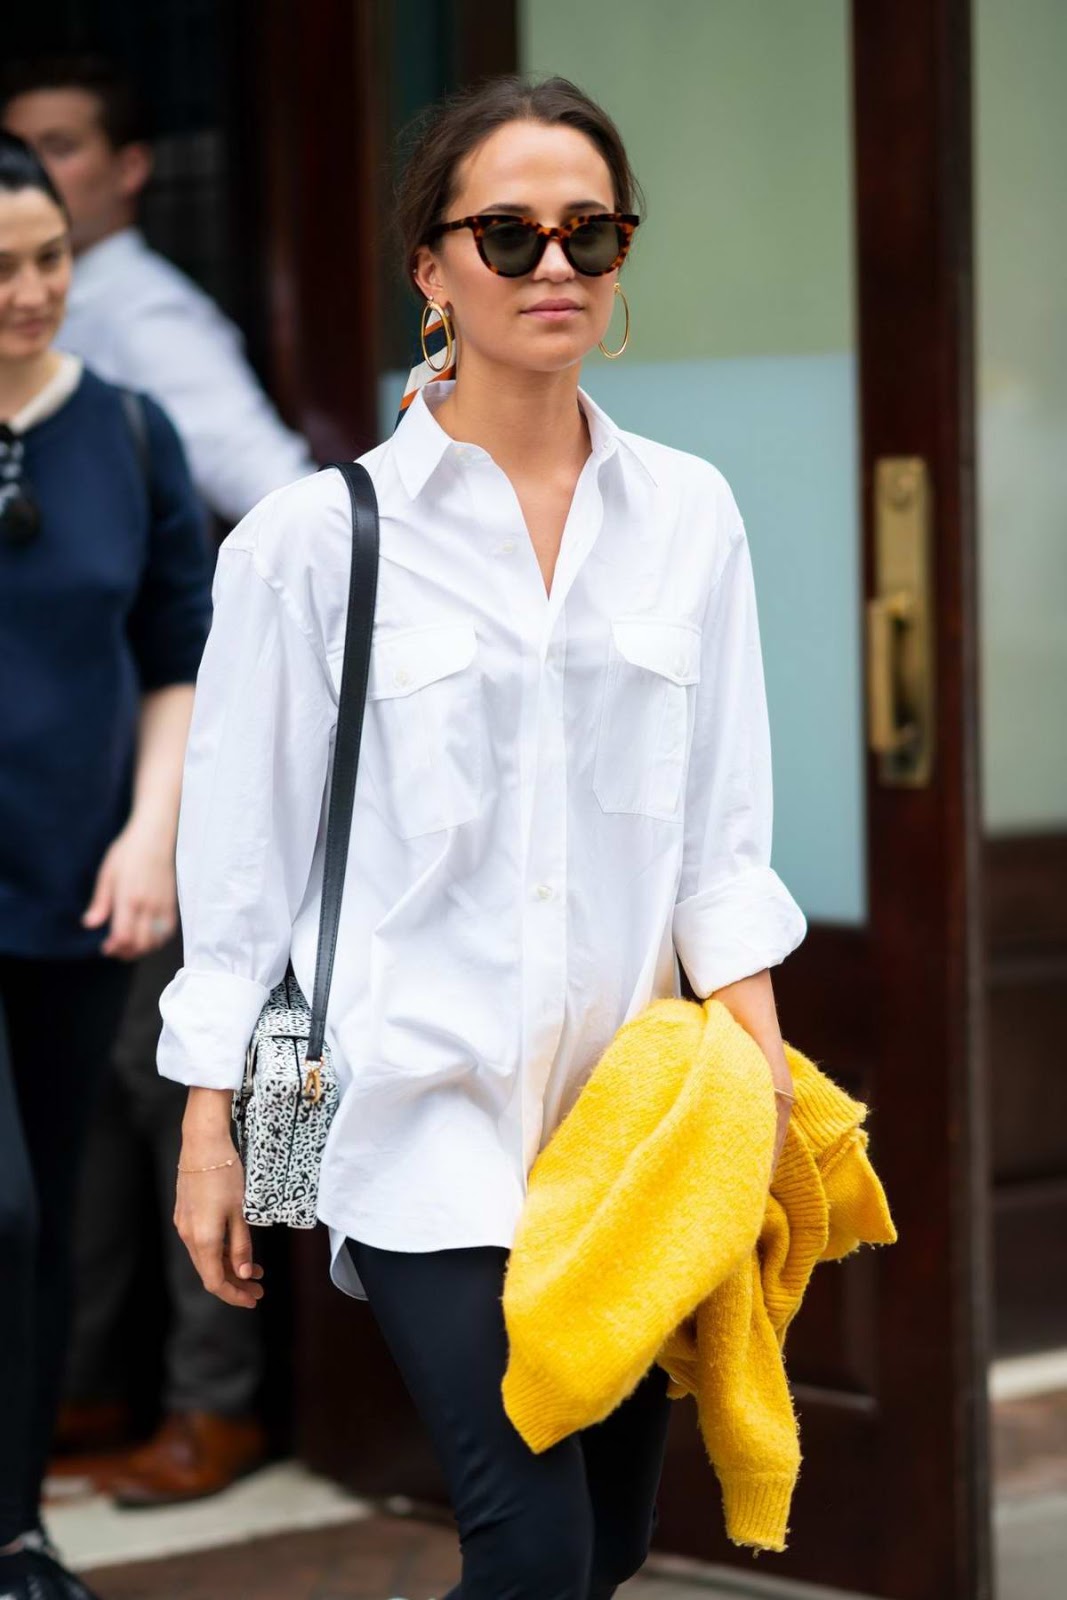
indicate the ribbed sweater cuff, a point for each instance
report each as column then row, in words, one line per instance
column 756, row 1509
column 795, row 1185
column 536, row 1408
column 822, row 1108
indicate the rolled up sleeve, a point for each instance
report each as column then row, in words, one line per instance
column 733, row 916
column 252, row 801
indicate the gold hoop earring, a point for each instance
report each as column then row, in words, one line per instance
column 613, row 355
column 446, row 324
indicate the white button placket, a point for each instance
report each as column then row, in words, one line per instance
column 511, row 571
column 545, row 899
column 545, row 896
column 539, row 622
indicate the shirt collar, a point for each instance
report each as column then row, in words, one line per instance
column 95, row 268
column 607, row 439
column 55, row 394
column 420, row 443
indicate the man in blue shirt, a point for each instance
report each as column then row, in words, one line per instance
column 132, row 315
column 140, row 322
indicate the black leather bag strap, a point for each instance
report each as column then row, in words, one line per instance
column 355, row 672
column 137, row 423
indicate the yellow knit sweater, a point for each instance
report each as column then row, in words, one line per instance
column 649, row 1234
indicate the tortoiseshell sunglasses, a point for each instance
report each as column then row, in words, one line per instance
column 512, row 246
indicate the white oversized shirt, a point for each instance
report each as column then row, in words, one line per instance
column 556, row 792
column 136, row 320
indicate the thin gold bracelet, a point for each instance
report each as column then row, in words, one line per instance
column 785, row 1094
column 186, row 1171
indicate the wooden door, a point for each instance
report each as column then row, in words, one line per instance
column 888, row 1356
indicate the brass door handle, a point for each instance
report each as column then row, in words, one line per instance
column 887, row 616
column 900, row 618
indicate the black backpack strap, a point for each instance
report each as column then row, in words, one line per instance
column 355, row 673
column 137, row 422
column 138, row 426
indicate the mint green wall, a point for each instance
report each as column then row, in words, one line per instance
column 736, row 114
column 1021, row 151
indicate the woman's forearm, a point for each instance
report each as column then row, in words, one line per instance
column 751, row 1002
column 207, row 1115
column 161, row 739
column 134, row 892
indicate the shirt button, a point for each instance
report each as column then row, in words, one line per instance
column 505, row 549
column 544, row 891
column 401, row 677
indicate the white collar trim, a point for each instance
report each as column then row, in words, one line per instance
column 56, row 392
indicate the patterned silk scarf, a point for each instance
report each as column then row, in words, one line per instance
column 422, row 373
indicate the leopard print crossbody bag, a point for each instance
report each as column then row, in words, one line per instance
column 283, row 1110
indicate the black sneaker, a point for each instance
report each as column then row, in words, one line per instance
column 35, row 1575
column 47, row 1568
column 37, row 1538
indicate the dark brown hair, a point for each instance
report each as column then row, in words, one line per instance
column 21, row 168
column 445, row 133
column 122, row 112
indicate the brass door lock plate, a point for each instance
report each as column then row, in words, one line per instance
column 900, row 615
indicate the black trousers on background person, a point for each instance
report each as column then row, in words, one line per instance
column 57, row 1023
column 213, row 1360
column 570, row 1524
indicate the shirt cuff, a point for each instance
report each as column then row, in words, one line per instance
column 208, row 1018
column 736, row 928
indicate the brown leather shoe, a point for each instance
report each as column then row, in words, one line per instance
column 194, row 1454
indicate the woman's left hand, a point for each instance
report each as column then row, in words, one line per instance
column 135, row 890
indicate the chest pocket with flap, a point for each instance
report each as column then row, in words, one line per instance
column 425, row 696
column 646, row 717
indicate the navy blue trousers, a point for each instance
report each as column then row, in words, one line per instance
column 569, row 1524
column 58, row 1019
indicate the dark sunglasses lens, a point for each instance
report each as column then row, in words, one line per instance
column 595, row 245
column 20, row 519
column 511, row 247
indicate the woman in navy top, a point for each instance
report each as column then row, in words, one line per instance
column 104, row 603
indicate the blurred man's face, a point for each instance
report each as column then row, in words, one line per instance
column 99, row 183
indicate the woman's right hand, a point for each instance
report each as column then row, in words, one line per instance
column 208, row 1210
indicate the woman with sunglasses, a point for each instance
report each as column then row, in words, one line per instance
column 104, row 601
column 564, row 779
